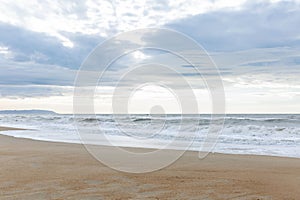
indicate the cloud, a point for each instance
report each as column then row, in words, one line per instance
column 256, row 25
column 101, row 17
column 244, row 26
column 30, row 73
column 34, row 91
column 19, row 80
column 255, row 44
column 24, row 46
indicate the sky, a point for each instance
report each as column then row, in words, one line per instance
column 255, row 45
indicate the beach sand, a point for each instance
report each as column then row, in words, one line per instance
column 48, row 170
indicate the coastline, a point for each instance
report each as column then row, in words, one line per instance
column 49, row 170
column 3, row 128
column 138, row 148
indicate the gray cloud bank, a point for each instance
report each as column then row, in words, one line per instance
column 260, row 38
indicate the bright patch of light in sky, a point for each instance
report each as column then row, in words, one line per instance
column 5, row 51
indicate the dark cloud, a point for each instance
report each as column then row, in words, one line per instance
column 27, row 45
column 29, row 73
column 257, row 25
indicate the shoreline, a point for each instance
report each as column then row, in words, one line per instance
column 4, row 128
column 34, row 169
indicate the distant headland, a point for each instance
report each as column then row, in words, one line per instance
column 28, row 112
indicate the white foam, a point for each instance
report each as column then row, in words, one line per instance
column 276, row 135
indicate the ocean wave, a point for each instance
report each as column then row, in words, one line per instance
column 142, row 119
column 260, row 133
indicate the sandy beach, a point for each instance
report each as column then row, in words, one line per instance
column 48, row 170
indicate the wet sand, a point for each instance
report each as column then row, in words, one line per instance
column 48, row 170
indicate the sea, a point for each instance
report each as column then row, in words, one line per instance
column 255, row 134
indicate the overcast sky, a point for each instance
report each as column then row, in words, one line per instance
column 255, row 44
